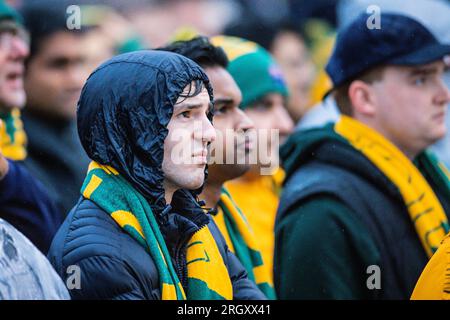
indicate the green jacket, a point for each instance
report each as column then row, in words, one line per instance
column 323, row 247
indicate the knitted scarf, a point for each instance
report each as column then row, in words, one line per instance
column 12, row 136
column 425, row 210
column 208, row 276
column 243, row 243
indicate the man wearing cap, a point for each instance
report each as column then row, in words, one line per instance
column 365, row 205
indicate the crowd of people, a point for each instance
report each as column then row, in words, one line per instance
column 200, row 150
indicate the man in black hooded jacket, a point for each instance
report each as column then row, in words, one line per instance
column 130, row 111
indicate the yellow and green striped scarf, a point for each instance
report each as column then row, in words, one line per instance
column 12, row 136
column 241, row 241
column 425, row 210
column 208, row 276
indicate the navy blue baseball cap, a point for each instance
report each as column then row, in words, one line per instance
column 400, row 40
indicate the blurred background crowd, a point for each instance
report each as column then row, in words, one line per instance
column 299, row 34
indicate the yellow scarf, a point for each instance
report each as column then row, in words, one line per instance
column 12, row 136
column 424, row 208
column 258, row 199
column 242, row 242
column 207, row 274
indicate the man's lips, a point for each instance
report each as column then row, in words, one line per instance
column 202, row 153
column 14, row 72
column 14, row 77
column 200, row 157
column 439, row 116
column 247, row 144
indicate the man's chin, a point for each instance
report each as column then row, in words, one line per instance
column 9, row 103
column 439, row 134
column 241, row 166
column 234, row 171
column 195, row 182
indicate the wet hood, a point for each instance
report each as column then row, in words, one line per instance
column 123, row 113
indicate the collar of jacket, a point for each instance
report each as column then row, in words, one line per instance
column 326, row 146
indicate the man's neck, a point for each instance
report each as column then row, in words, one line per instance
column 49, row 119
column 4, row 111
column 211, row 193
column 253, row 174
column 410, row 154
column 169, row 190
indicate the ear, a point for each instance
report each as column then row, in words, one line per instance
column 362, row 98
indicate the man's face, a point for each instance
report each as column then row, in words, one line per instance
column 268, row 114
column 55, row 75
column 13, row 51
column 411, row 105
column 186, row 145
column 230, row 152
column 292, row 56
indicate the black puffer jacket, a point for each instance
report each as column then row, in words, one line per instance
column 123, row 113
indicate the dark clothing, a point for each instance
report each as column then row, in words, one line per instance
column 25, row 204
column 344, row 215
column 56, row 158
column 122, row 122
column 115, row 266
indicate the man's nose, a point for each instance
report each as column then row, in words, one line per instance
column 208, row 131
column 76, row 75
column 19, row 48
column 244, row 122
column 443, row 95
column 282, row 121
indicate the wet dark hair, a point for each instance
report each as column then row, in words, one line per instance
column 194, row 89
column 200, row 50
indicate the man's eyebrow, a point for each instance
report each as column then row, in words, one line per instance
column 192, row 106
column 188, row 106
column 423, row 71
column 223, row 101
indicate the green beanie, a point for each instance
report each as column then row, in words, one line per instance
column 253, row 69
column 6, row 12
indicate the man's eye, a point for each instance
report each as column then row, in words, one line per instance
column 221, row 110
column 185, row 114
column 262, row 106
column 420, row 81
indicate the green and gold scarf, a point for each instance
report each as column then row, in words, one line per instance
column 425, row 210
column 241, row 241
column 12, row 136
column 208, row 276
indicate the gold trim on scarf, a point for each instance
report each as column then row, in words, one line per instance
column 423, row 206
